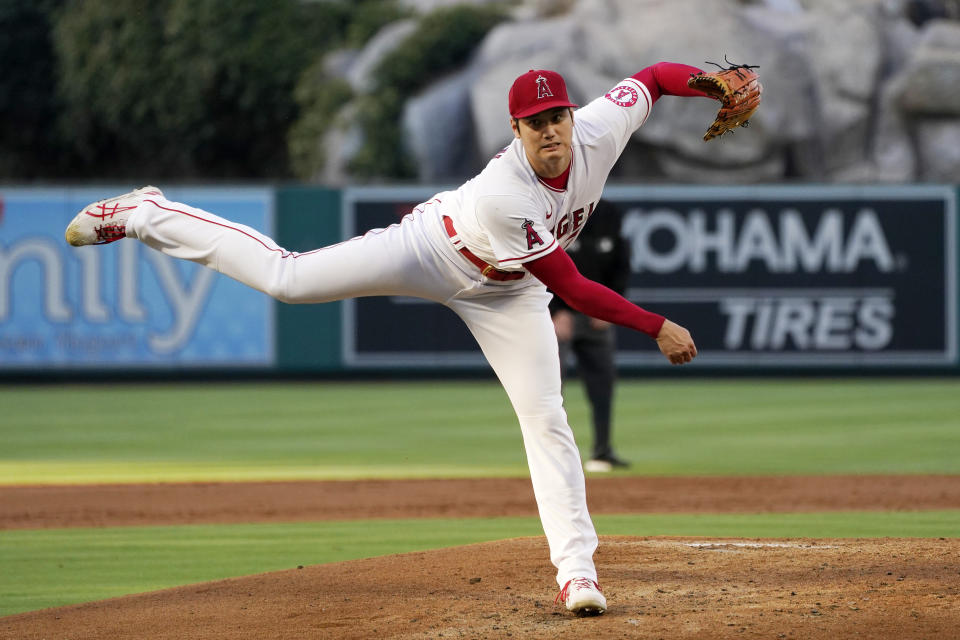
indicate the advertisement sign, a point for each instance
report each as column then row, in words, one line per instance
column 761, row 276
column 123, row 305
column 795, row 276
column 398, row 331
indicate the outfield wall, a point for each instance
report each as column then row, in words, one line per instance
column 772, row 278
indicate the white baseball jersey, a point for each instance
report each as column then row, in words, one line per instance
column 508, row 215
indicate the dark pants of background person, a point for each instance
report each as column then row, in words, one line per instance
column 594, row 349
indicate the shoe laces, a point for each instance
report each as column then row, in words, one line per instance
column 107, row 233
column 584, row 583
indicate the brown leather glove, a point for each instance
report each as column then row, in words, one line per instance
column 738, row 89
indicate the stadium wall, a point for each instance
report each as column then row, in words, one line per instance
column 779, row 279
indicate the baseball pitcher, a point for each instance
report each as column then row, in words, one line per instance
column 488, row 250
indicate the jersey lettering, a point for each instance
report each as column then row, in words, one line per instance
column 578, row 218
column 572, row 222
column 532, row 236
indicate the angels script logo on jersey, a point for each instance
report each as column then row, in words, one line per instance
column 543, row 89
column 532, row 236
column 623, row 95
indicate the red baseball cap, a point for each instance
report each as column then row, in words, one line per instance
column 538, row 90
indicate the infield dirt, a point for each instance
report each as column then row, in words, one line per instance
column 656, row 587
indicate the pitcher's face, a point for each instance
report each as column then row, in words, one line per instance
column 547, row 138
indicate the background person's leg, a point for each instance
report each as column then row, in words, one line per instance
column 594, row 350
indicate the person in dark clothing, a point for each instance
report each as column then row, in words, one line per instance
column 603, row 255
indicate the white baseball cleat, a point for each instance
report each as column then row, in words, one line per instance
column 597, row 466
column 583, row 596
column 106, row 220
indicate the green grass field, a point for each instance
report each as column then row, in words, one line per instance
column 46, row 568
column 204, row 431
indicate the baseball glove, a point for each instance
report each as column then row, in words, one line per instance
column 738, row 89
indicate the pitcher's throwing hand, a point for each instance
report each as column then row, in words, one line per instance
column 676, row 343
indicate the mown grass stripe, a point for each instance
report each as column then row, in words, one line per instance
column 52, row 567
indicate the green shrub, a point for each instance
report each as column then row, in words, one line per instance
column 111, row 83
column 443, row 41
column 369, row 16
column 382, row 154
column 28, row 98
column 201, row 89
column 319, row 99
column 237, row 89
column 186, row 88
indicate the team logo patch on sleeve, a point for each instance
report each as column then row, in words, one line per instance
column 532, row 236
column 623, row 95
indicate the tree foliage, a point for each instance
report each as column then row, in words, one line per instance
column 176, row 88
column 28, row 96
column 110, row 82
column 206, row 89
column 443, row 40
column 319, row 98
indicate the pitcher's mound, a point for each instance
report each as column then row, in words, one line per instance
column 656, row 588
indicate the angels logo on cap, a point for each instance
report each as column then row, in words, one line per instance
column 537, row 90
column 543, row 89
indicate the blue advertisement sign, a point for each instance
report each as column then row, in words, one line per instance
column 123, row 305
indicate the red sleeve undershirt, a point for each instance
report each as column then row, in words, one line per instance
column 669, row 79
column 556, row 269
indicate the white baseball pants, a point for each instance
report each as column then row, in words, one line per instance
column 509, row 320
